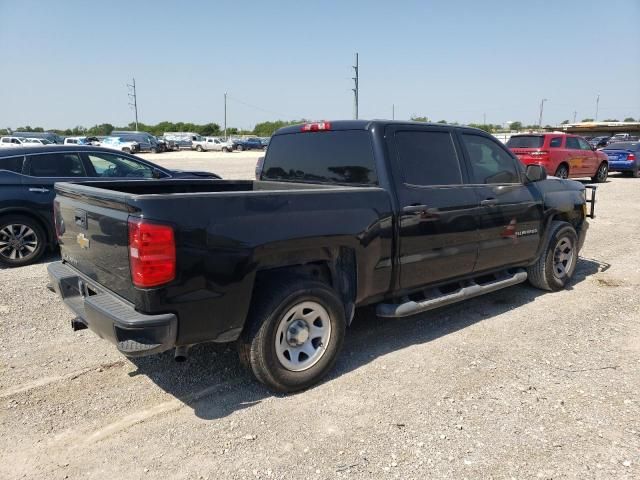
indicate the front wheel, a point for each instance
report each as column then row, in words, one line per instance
column 557, row 262
column 294, row 334
column 199, row 148
column 601, row 174
column 22, row 241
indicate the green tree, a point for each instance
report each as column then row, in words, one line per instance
column 266, row 129
column 587, row 120
column 517, row 126
column 629, row 119
column 564, row 122
column 442, row 121
column 420, row 119
column 611, row 120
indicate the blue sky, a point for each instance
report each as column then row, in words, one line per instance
column 67, row 63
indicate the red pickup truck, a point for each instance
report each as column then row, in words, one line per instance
column 561, row 154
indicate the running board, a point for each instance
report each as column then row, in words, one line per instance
column 463, row 290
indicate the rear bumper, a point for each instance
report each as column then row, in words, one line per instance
column 111, row 318
column 622, row 166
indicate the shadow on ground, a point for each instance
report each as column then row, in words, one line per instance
column 214, row 384
column 47, row 257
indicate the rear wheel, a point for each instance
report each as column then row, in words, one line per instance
column 126, row 150
column 562, row 171
column 555, row 266
column 635, row 173
column 240, row 148
column 601, row 174
column 199, row 148
column 22, row 241
column 294, row 334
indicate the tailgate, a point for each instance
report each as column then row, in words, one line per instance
column 93, row 235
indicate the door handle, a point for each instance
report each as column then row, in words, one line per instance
column 488, row 202
column 39, row 189
column 414, row 209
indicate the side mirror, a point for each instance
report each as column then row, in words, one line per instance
column 535, row 173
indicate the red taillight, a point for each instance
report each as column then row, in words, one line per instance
column 316, row 126
column 152, row 253
column 631, row 157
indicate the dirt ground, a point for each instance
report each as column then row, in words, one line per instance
column 516, row 384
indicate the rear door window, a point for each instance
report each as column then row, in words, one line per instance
column 572, row 143
column 343, row 156
column 490, row 163
column 12, row 164
column 556, row 142
column 428, row 158
column 56, row 165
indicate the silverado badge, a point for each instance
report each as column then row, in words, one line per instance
column 83, row 241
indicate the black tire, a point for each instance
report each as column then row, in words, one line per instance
column 562, row 171
column 257, row 346
column 543, row 273
column 240, row 148
column 126, row 150
column 199, row 148
column 226, row 149
column 635, row 173
column 154, row 150
column 601, row 174
column 37, row 240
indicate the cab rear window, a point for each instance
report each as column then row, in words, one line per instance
column 526, row 141
column 343, row 156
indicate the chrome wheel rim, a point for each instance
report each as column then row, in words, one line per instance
column 563, row 172
column 17, row 241
column 302, row 336
column 563, row 258
column 602, row 173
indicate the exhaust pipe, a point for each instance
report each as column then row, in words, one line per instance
column 181, row 354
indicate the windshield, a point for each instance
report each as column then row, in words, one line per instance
column 526, row 141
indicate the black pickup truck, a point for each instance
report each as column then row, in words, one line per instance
column 408, row 216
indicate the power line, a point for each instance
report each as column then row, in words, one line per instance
column 133, row 96
column 229, row 97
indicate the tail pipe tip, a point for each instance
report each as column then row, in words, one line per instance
column 181, row 354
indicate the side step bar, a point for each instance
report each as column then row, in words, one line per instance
column 435, row 297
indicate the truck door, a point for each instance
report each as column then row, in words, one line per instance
column 438, row 237
column 576, row 157
column 511, row 210
column 590, row 162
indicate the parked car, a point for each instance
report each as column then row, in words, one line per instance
column 563, row 155
column 8, row 142
column 599, row 142
column 82, row 141
column 248, row 144
column 145, row 141
column 49, row 136
column 27, row 176
column 622, row 137
column 624, row 157
column 407, row 215
column 265, row 142
column 183, row 140
column 118, row 143
column 212, row 144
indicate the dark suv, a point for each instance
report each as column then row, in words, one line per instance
column 27, row 177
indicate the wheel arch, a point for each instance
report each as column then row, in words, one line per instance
column 335, row 266
column 25, row 212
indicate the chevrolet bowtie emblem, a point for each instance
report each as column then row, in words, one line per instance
column 83, row 241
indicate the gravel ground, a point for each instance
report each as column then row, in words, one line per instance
column 515, row 384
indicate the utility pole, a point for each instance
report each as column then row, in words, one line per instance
column 393, row 111
column 225, row 115
column 133, row 97
column 574, row 116
column 597, row 105
column 484, row 118
column 355, row 90
column 541, row 110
